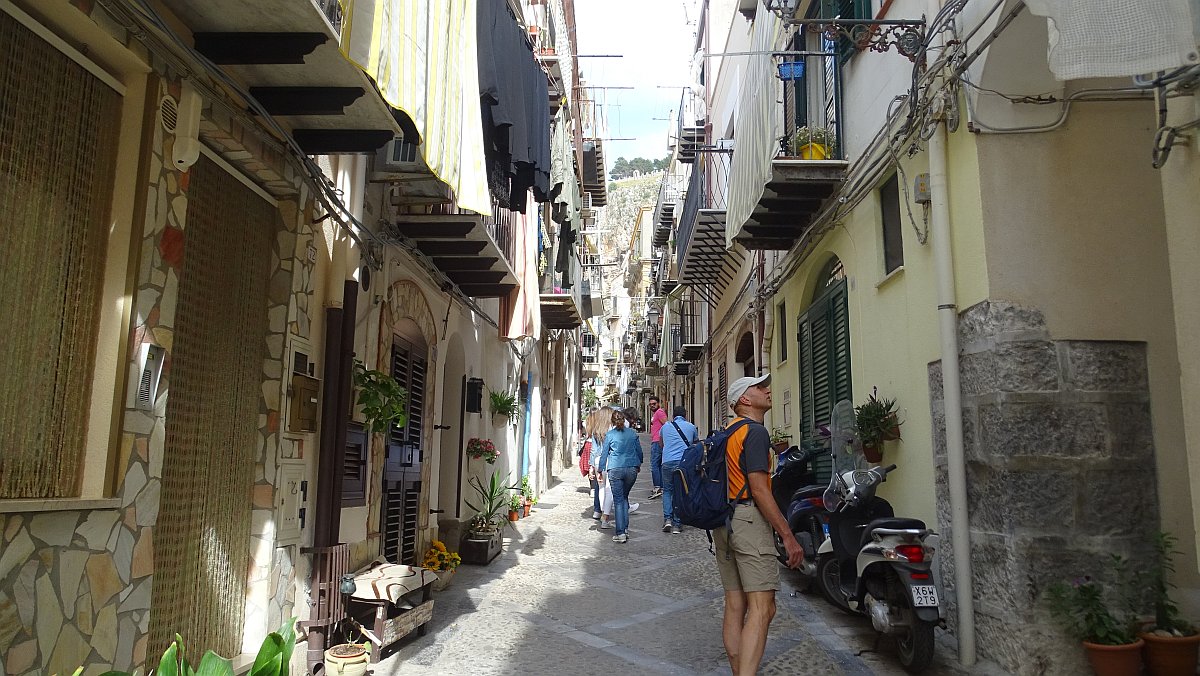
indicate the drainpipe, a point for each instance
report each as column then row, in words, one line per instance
column 943, row 260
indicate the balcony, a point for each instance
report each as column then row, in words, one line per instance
column 691, row 132
column 700, row 243
column 475, row 252
column 595, row 177
column 563, row 308
column 285, row 52
column 801, row 177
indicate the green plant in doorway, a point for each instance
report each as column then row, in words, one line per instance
column 502, row 403
column 492, row 501
column 384, row 404
column 273, row 658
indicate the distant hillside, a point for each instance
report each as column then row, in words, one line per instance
column 617, row 220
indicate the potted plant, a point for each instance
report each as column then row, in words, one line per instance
column 503, row 405
column 384, row 404
column 516, row 504
column 877, row 422
column 482, row 449
column 482, row 541
column 1113, row 648
column 779, row 439
column 1172, row 644
column 441, row 561
column 813, row 143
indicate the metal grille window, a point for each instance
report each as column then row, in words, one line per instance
column 722, row 412
column 354, row 467
column 58, row 140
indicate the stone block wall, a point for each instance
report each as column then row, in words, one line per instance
column 1060, row 474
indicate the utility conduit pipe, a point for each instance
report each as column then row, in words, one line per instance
column 947, row 309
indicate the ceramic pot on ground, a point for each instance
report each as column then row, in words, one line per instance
column 1115, row 660
column 347, row 659
column 1169, row 655
column 513, row 515
column 527, row 507
column 443, row 579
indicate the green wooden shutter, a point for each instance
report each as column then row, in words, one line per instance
column 846, row 9
column 824, row 341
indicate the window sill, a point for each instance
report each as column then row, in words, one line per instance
column 889, row 277
column 57, row 505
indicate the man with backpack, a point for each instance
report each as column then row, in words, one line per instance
column 676, row 437
column 746, row 547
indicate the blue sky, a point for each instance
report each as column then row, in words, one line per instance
column 656, row 39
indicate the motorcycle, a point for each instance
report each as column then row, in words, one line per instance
column 874, row 563
column 798, row 493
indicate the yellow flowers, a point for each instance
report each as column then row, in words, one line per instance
column 437, row 557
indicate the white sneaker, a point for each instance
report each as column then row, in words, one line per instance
column 621, row 538
column 633, row 506
column 605, row 525
column 596, row 515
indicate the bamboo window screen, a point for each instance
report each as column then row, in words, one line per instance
column 58, row 140
column 202, row 538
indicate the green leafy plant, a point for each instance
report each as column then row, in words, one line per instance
column 590, row 398
column 274, row 656
column 821, row 136
column 515, row 502
column 1084, row 612
column 492, row 501
column 779, row 435
column 876, row 420
column 1166, row 613
column 502, row 403
column 526, row 489
column 382, row 401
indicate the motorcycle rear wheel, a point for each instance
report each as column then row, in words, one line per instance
column 829, row 581
column 916, row 646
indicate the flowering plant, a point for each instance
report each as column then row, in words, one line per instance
column 437, row 557
column 1083, row 607
column 482, row 448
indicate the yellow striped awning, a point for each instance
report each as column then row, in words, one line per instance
column 423, row 56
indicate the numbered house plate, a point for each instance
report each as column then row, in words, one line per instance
column 924, row 596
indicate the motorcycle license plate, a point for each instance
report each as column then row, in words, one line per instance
column 924, row 596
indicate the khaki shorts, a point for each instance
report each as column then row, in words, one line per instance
column 746, row 558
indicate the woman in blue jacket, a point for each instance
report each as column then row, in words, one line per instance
column 621, row 455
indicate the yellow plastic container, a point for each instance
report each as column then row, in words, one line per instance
column 814, row 151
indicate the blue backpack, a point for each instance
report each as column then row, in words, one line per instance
column 700, row 488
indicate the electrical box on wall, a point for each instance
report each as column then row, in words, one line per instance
column 303, row 403
column 291, row 502
column 921, row 193
column 150, row 365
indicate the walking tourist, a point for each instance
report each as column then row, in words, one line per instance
column 746, row 549
column 678, row 436
column 594, row 428
column 658, row 418
column 621, row 454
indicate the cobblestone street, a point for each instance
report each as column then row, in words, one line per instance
column 563, row 598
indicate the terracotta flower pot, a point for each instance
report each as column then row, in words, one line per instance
column 528, row 505
column 873, row 453
column 1115, row 660
column 1169, row 655
column 513, row 515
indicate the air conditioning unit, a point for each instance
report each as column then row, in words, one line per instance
column 398, row 154
column 586, row 204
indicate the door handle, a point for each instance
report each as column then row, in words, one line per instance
column 437, row 511
column 441, row 427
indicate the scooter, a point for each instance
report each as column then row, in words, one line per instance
column 874, row 563
column 798, row 494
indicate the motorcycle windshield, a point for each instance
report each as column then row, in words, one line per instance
column 845, row 448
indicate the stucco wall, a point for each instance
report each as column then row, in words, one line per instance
column 1075, row 228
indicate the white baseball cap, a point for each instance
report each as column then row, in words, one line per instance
column 739, row 386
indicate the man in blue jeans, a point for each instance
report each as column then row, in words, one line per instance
column 677, row 435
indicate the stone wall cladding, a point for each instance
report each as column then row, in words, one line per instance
column 75, row 586
column 1060, row 474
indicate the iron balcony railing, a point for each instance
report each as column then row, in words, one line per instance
column 708, row 189
column 812, row 99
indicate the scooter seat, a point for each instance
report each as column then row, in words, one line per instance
column 895, row 522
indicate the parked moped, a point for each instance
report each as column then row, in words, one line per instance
column 875, row 563
column 798, row 487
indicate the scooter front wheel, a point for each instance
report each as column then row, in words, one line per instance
column 916, row 646
column 829, row 581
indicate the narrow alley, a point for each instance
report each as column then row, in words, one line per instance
column 564, row 594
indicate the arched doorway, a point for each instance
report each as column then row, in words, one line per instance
column 824, row 341
column 745, row 354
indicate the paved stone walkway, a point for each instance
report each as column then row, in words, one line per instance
column 563, row 598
